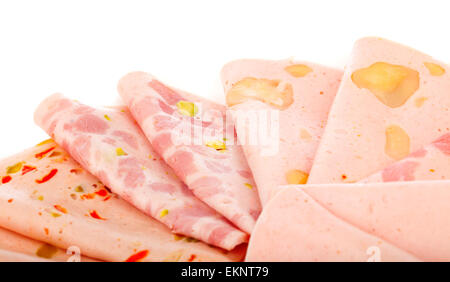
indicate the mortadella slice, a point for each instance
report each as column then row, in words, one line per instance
column 283, row 106
column 432, row 162
column 392, row 101
column 294, row 227
column 109, row 144
column 45, row 195
column 192, row 135
column 15, row 247
column 410, row 215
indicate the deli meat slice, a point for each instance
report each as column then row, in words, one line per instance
column 291, row 99
column 15, row 247
column 195, row 138
column 47, row 196
column 392, row 101
column 432, row 162
column 395, row 221
column 11, row 256
column 109, row 144
column 411, row 215
column 295, row 227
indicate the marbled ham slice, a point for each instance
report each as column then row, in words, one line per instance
column 111, row 146
column 214, row 168
column 432, row 162
column 307, row 90
column 294, row 227
column 74, row 209
column 392, row 101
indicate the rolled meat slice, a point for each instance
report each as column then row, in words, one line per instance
column 431, row 162
column 294, row 227
column 392, row 101
column 109, row 144
column 196, row 139
column 46, row 196
column 280, row 109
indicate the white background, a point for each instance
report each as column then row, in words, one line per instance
column 82, row 48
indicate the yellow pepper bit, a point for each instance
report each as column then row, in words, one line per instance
column 218, row 145
column 120, row 152
column 187, row 108
column 14, row 168
column 164, row 213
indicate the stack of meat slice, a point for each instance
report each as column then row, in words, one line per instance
column 110, row 145
column 196, row 140
column 123, row 202
column 391, row 115
column 58, row 205
column 307, row 163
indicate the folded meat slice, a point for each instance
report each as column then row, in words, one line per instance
column 10, row 256
column 431, row 162
column 392, row 101
column 15, row 247
column 195, row 138
column 109, row 144
column 410, row 215
column 294, row 227
column 45, row 195
column 280, row 109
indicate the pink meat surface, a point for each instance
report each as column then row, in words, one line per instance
column 410, row 215
column 197, row 141
column 109, row 144
column 392, row 101
column 432, row 162
column 11, row 256
column 295, row 227
column 15, row 247
column 72, row 210
column 294, row 99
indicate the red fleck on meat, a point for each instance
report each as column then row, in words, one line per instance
column 44, row 153
column 47, row 177
column 138, row 256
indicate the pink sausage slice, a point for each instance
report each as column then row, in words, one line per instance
column 294, row 227
column 392, row 101
column 293, row 98
column 197, row 141
column 110, row 145
column 410, row 215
